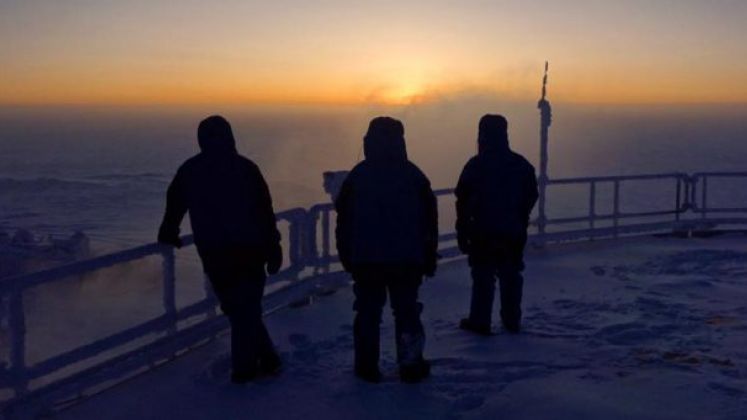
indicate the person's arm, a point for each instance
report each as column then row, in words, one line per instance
column 274, row 250
column 463, row 212
column 176, row 208
column 343, row 230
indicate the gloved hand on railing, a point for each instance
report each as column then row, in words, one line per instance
column 274, row 259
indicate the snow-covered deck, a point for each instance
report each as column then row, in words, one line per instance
column 634, row 328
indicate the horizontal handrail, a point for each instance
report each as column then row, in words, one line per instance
column 612, row 178
column 602, row 217
column 703, row 207
column 443, row 191
column 720, row 174
column 26, row 281
column 159, row 324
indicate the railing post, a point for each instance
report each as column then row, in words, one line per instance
column 692, row 187
column 17, row 324
column 294, row 241
column 169, row 287
column 311, row 253
column 592, row 205
column 616, row 207
column 325, row 240
column 704, row 198
column 678, row 198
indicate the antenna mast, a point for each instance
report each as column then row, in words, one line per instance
column 542, row 179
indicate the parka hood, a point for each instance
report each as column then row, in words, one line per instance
column 385, row 140
column 214, row 135
column 493, row 135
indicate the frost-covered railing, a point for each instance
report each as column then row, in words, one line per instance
column 699, row 197
column 588, row 224
column 690, row 208
column 98, row 365
column 309, row 240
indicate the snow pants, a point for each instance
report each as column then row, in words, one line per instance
column 240, row 296
column 503, row 262
column 370, row 289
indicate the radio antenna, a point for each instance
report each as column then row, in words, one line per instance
column 542, row 180
column 544, row 82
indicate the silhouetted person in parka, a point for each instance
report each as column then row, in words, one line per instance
column 495, row 195
column 387, row 235
column 234, row 228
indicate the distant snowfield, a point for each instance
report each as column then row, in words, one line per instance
column 649, row 328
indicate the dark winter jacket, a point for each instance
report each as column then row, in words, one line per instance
column 495, row 196
column 386, row 210
column 229, row 206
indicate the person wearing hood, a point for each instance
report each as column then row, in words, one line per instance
column 234, row 228
column 494, row 198
column 387, row 238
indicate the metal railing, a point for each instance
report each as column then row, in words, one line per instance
column 18, row 374
column 690, row 209
column 309, row 240
column 617, row 218
column 700, row 198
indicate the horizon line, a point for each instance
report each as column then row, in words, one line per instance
column 334, row 104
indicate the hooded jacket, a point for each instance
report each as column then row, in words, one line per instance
column 495, row 193
column 229, row 205
column 386, row 210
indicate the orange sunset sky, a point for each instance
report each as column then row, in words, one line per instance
column 347, row 52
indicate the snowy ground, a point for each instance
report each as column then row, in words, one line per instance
column 652, row 328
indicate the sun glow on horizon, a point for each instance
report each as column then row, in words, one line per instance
column 78, row 52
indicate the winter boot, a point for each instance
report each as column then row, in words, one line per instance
column 411, row 374
column 412, row 367
column 270, row 364
column 467, row 325
column 370, row 374
column 512, row 326
column 242, row 377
